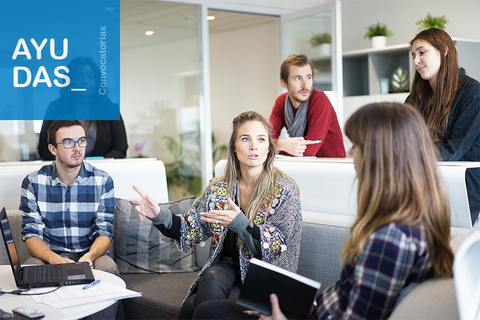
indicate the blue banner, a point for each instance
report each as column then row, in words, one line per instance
column 59, row 59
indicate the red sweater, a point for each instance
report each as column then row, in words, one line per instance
column 322, row 124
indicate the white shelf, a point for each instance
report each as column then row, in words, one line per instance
column 363, row 69
column 387, row 49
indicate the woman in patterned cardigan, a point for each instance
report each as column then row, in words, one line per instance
column 253, row 210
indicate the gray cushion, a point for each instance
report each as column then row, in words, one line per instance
column 323, row 237
column 141, row 248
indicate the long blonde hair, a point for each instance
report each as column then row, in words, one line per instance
column 266, row 182
column 398, row 180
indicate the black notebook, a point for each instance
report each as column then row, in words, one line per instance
column 296, row 293
column 41, row 275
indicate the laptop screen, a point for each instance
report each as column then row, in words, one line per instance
column 10, row 244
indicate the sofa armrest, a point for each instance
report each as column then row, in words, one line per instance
column 432, row 299
column 15, row 220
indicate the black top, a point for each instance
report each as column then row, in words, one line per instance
column 111, row 141
column 463, row 136
column 229, row 245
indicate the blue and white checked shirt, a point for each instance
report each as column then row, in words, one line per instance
column 394, row 256
column 67, row 219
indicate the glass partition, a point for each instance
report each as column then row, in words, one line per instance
column 161, row 80
column 161, row 88
column 316, row 32
column 312, row 36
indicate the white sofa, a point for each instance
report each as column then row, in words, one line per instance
column 328, row 194
column 148, row 172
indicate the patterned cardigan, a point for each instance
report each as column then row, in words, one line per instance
column 279, row 220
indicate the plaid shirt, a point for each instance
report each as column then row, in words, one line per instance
column 394, row 256
column 67, row 219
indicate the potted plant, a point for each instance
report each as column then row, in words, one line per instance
column 322, row 41
column 185, row 172
column 378, row 33
column 431, row 22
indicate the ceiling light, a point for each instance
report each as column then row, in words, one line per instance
column 149, row 33
column 210, row 18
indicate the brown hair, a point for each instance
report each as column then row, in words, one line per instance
column 299, row 60
column 435, row 105
column 58, row 124
column 398, row 180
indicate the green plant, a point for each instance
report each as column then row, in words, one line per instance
column 320, row 38
column 375, row 30
column 431, row 22
column 185, row 170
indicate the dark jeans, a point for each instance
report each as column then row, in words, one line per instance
column 221, row 309
column 215, row 284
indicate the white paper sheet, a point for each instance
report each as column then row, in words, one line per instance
column 70, row 296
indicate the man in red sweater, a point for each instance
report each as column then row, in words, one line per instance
column 306, row 113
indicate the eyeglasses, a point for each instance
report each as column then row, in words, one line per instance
column 69, row 144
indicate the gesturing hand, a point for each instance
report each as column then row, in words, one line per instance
column 294, row 146
column 222, row 217
column 147, row 206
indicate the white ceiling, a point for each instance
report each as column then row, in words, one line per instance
column 274, row 4
column 179, row 20
column 227, row 20
column 172, row 21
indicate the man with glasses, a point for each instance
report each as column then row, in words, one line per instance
column 67, row 207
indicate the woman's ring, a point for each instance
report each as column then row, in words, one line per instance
column 216, row 221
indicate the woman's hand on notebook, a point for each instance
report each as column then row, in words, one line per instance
column 277, row 314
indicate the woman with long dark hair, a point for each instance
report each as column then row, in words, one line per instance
column 449, row 101
column 402, row 231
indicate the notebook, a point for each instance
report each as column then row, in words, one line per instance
column 296, row 293
column 42, row 275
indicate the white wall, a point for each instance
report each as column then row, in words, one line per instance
column 400, row 16
column 244, row 74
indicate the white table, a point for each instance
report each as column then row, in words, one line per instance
column 8, row 301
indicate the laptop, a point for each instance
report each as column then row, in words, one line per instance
column 49, row 275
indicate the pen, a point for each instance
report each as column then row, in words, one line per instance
column 91, row 284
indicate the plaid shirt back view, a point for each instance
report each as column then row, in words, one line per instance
column 393, row 256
